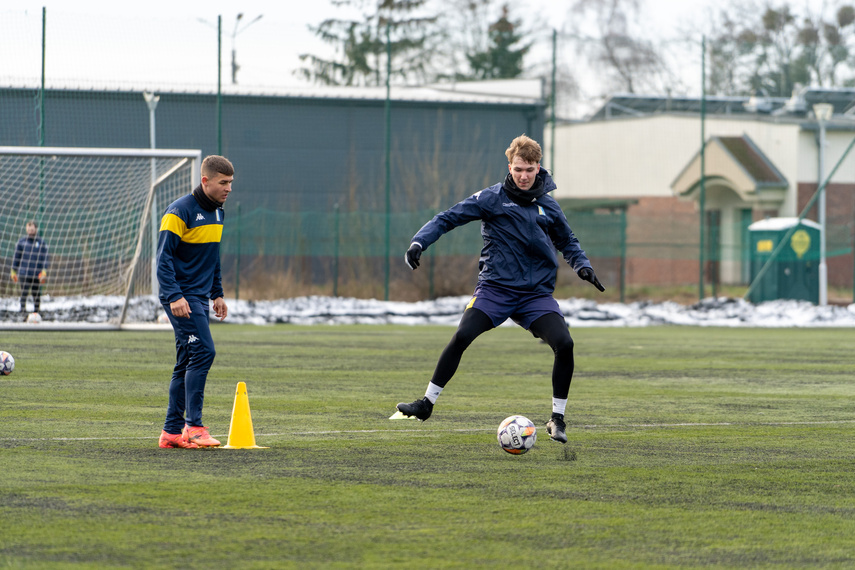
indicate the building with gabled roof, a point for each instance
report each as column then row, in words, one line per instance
column 761, row 159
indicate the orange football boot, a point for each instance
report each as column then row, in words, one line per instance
column 168, row 440
column 199, row 436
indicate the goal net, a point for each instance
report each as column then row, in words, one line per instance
column 97, row 213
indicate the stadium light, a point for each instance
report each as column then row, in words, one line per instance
column 823, row 112
column 236, row 31
column 151, row 101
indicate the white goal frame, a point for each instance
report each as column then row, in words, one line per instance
column 149, row 220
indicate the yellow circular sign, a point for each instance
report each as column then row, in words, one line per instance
column 800, row 242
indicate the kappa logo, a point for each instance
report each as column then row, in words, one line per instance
column 193, row 338
column 199, row 216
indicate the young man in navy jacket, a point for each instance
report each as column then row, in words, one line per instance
column 522, row 226
column 29, row 266
column 188, row 273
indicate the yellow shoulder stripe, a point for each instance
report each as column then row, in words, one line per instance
column 204, row 234
column 174, row 224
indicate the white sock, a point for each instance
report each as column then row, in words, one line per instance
column 558, row 406
column 432, row 392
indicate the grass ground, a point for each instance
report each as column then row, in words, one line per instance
column 688, row 447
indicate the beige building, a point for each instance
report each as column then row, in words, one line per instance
column 761, row 159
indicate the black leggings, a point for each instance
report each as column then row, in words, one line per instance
column 30, row 285
column 550, row 327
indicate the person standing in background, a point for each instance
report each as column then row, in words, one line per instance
column 29, row 266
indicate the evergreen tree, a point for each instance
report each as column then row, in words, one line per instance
column 360, row 45
column 500, row 60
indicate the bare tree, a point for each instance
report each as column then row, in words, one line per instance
column 771, row 49
column 629, row 61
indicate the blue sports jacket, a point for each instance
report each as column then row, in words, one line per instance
column 188, row 251
column 519, row 239
column 31, row 257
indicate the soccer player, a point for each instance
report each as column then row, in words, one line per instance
column 521, row 226
column 188, row 272
column 29, row 266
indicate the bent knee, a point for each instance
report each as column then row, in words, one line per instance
column 564, row 346
column 203, row 355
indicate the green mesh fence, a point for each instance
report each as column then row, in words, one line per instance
column 311, row 170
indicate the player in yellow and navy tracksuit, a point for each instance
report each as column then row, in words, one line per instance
column 188, row 273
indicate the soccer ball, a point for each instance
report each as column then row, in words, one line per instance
column 34, row 318
column 517, row 434
column 7, row 363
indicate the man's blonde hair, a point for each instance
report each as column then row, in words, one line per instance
column 526, row 148
column 215, row 164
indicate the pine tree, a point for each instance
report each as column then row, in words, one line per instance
column 500, row 60
column 361, row 44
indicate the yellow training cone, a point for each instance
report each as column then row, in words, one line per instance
column 241, row 435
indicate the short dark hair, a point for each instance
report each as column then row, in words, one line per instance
column 215, row 164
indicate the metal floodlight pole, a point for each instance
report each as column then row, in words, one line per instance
column 702, row 191
column 151, row 100
column 41, row 131
column 41, row 128
column 220, row 85
column 552, row 101
column 388, row 152
column 236, row 31
column 823, row 112
column 219, row 27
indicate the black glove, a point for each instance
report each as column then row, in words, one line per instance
column 587, row 274
column 413, row 255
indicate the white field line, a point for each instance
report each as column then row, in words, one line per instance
column 461, row 430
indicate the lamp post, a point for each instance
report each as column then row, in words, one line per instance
column 151, row 100
column 236, row 31
column 823, row 112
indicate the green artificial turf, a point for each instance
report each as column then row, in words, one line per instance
column 688, row 447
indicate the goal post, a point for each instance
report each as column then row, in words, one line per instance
column 97, row 211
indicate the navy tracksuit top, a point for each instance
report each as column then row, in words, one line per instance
column 519, row 239
column 188, row 251
column 31, row 257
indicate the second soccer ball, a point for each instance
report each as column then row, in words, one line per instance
column 7, row 363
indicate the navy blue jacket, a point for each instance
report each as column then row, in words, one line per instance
column 519, row 239
column 31, row 257
column 188, row 251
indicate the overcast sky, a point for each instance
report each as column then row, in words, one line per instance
column 160, row 43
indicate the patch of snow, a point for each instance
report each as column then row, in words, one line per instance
column 446, row 311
